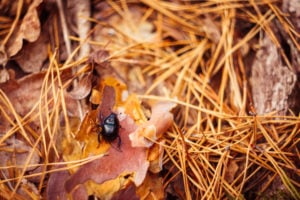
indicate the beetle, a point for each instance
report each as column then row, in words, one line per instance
column 109, row 129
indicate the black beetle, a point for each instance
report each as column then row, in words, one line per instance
column 110, row 129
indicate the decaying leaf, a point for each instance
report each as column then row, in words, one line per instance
column 119, row 165
column 24, row 155
column 152, row 188
column 161, row 119
column 29, row 29
column 28, row 190
column 155, row 157
column 33, row 55
column 134, row 162
column 83, row 88
column 127, row 193
column 231, row 171
column 133, row 27
column 20, row 146
column 79, row 11
column 25, row 93
column 4, row 75
column 21, row 96
column 55, row 186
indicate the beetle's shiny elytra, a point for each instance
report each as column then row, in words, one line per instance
column 110, row 129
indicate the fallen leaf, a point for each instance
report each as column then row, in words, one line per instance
column 107, row 104
column 33, row 55
column 134, row 162
column 83, row 87
column 119, row 165
column 108, row 189
column 78, row 12
column 131, row 26
column 29, row 29
column 4, row 75
column 126, row 193
column 155, row 157
column 25, row 93
column 55, row 186
column 28, row 190
column 88, row 136
column 99, row 57
column 21, row 152
column 160, row 121
column 231, row 170
column 152, row 188
column 95, row 97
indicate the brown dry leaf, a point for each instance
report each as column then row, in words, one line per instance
column 25, row 93
column 4, row 75
column 99, row 57
column 108, row 189
column 19, row 152
column 133, row 109
column 28, row 190
column 134, row 162
column 143, row 32
column 88, row 131
column 86, row 126
column 127, row 193
column 78, row 12
column 95, row 97
column 107, row 103
column 130, row 25
column 71, row 150
column 160, row 121
column 155, row 157
column 231, row 170
column 83, row 88
column 120, row 90
column 152, row 188
column 107, row 175
column 55, row 185
column 17, row 157
column 33, row 55
column 29, row 30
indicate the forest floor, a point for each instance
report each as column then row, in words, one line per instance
column 149, row 99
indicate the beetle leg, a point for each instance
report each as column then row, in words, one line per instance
column 119, row 142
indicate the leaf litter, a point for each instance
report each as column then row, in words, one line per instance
column 200, row 118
